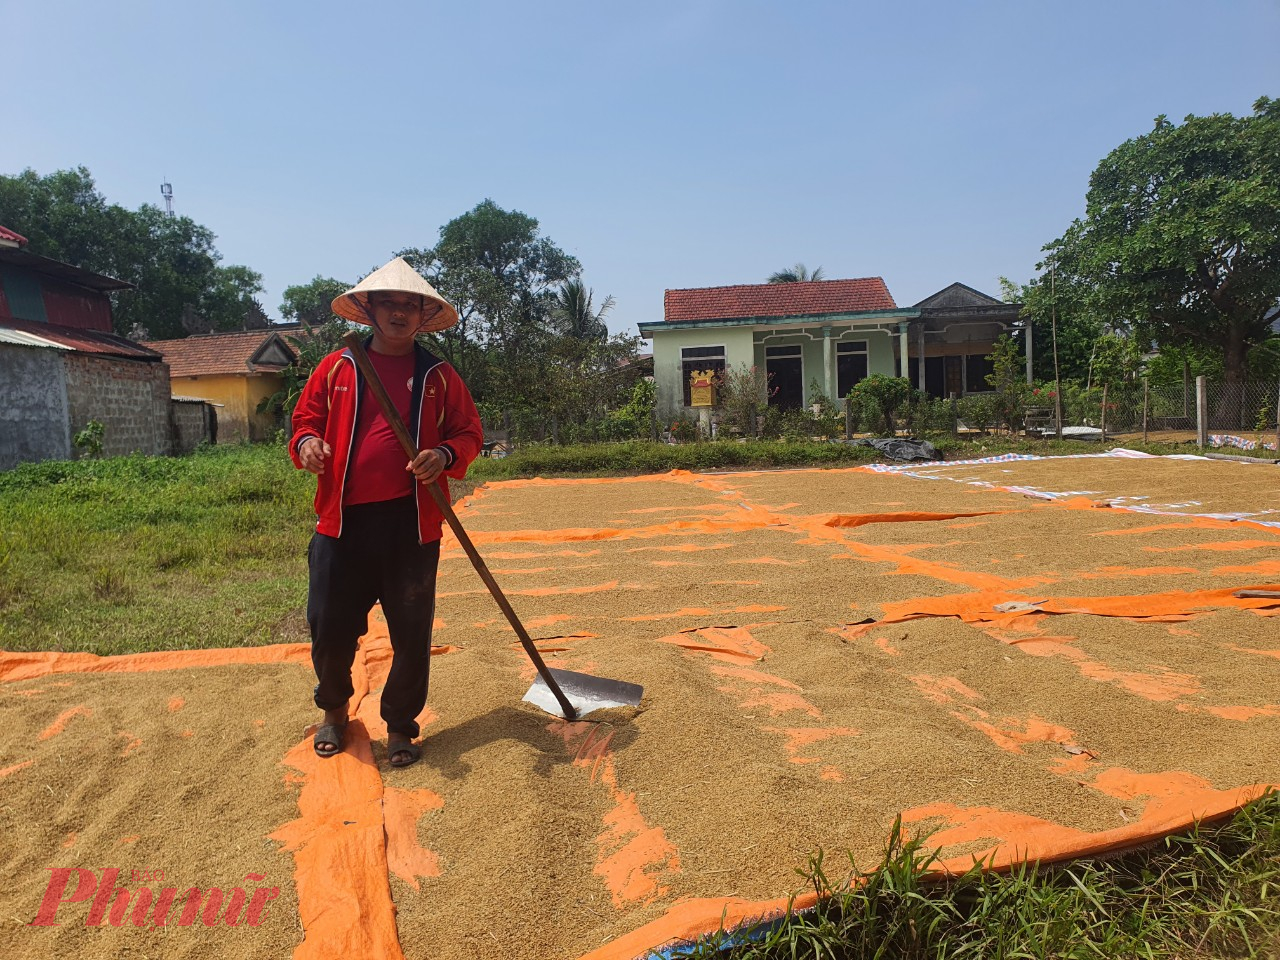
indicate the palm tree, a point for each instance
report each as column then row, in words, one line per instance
column 797, row 274
column 576, row 316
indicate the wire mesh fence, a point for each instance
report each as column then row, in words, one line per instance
column 1197, row 411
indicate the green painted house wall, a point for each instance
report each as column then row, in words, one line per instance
column 744, row 343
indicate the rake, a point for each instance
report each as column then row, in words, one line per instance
column 576, row 694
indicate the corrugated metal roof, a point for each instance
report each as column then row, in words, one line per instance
column 7, row 234
column 24, row 339
column 81, row 341
column 66, row 272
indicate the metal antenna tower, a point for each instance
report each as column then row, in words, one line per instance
column 166, row 191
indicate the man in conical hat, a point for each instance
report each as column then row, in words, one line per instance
column 377, row 533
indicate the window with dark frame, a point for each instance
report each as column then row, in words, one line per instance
column 699, row 358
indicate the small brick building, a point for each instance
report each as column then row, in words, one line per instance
column 61, row 364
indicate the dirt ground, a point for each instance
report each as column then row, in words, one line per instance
column 1032, row 658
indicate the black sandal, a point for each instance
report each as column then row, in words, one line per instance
column 329, row 733
column 398, row 743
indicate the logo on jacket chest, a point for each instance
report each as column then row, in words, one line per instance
column 430, row 389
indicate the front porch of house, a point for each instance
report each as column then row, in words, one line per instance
column 802, row 360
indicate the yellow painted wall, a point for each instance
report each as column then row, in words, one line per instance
column 239, row 396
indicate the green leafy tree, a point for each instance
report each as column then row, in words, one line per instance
column 309, row 303
column 1115, row 360
column 797, row 274
column 231, row 297
column 883, row 395
column 1181, row 237
column 502, row 277
column 1007, row 379
column 586, row 379
column 172, row 260
column 1058, row 309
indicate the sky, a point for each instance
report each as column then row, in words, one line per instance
column 665, row 145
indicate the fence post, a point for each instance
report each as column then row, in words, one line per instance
column 1104, row 413
column 653, row 424
column 1146, row 387
column 848, row 419
column 555, row 430
column 955, row 416
column 1202, row 413
column 1278, row 423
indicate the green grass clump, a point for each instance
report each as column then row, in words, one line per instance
column 603, row 459
column 139, row 553
column 1210, row 893
column 608, row 459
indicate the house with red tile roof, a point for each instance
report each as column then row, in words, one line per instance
column 235, row 371
column 62, row 365
column 823, row 336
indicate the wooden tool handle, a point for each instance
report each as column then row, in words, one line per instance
column 352, row 340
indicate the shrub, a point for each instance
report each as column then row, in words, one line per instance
column 744, row 396
column 1007, row 379
column 977, row 410
column 89, row 440
column 883, row 395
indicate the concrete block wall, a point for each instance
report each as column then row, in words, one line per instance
column 129, row 397
column 193, row 423
column 33, row 405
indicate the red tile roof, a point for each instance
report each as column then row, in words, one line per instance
column 778, row 299
column 83, row 341
column 7, row 234
column 218, row 353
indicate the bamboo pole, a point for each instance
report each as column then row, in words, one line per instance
column 1104, row 413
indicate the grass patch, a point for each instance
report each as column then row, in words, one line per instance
column 1214, row 892
column 137, row 553
column 608, row 459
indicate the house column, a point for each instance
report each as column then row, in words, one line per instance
column 829, row 383
column 902, row 348
column 920, row 358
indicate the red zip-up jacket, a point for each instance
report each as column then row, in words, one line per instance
column 442, row 414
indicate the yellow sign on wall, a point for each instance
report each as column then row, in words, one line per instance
column 702, row 391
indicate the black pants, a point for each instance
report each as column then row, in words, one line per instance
column 377, row 558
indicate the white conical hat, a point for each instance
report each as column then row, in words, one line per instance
column 396, row 276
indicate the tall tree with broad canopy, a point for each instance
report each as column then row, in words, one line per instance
column 501, row 276
column 172, row 260
column 1181, row 237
